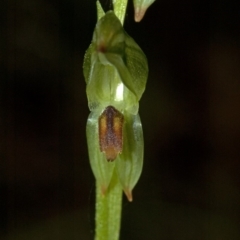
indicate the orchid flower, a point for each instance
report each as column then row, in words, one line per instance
column 115, row 70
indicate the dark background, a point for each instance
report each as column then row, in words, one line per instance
column 190, row 185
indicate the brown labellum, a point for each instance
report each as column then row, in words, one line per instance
column 110, row 132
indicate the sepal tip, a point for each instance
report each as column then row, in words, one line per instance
column 139, row 14
column 128, row 194
column 140, row 8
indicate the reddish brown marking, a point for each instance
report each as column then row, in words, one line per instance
column 101, row 48
column 110, row 132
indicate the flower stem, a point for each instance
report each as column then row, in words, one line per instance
column 120, row 7
column 109, row 205
column 108, row 210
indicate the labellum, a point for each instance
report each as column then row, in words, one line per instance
column 110, row 132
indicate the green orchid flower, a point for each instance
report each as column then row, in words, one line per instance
column 115, row 70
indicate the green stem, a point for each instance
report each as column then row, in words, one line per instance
column 109, row 206
column 120, row 7
column 108, row 211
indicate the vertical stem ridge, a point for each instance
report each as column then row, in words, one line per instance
column 120, row 7
column 108, row 211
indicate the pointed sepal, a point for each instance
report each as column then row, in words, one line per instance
column 140, row 8
column 100, row 11
column 102, row 169
column 129, row 164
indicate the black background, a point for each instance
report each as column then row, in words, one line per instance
column 189, row 188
